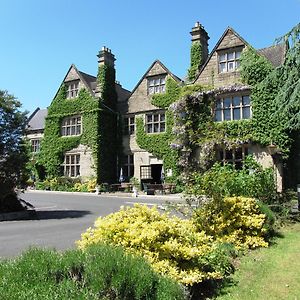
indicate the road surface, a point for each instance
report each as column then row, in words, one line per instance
column 61, row 218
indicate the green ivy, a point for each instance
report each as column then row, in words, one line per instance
column 196, row 60
column 254, row 67
column 174, row 91
column 109, row 138
column 159, row 144
column 270, row 117
column 99, row 133
column 54, row 145
column 171, row 95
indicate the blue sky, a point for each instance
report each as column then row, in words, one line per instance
column 40, row 39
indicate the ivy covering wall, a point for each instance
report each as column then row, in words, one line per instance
column 53, row 145
column 109, row 133
column 99, row 128
column 160, row 144
column 196, row 60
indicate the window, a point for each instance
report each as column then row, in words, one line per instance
column 155, row 122
column 146, row 172
column 229, row 61
column 233, row 108
column 233, row 156
column 35, row 145
column 128, row 168
column 71, row 126
column 71, row 165
column 129, row 125
column 156, row 84
column 72, row 89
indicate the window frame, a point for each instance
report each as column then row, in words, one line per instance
column 235, row 60
column 129, row 125
column 128, row 165
column 156, row 84
column 35, row 145
column 72, row 89
column 157, row 125
column 145, row 172
column 71, row 129
column 222, row 109
column 68, row 165
column 234, row 158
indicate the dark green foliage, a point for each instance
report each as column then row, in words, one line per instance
column 254, row 67
column 13, row 150
column 275, row 96
column 101, row 272
column 196, row 60
column 269, row 224
column 225, row 181
column 109, row 139
column 106, row 79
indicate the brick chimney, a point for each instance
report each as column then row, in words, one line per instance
column 198, row 33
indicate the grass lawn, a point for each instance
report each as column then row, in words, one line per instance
column 272, row 273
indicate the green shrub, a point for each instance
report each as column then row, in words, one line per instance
column 224, row 181
column 173, row 246
column 101, row 272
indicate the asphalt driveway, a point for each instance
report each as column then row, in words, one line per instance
column 61, row 218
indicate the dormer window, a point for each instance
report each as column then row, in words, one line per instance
column 229, row 61
column 156, row 84
column 72, row 89
column 71, row 126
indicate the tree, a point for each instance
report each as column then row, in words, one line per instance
column 275, row 94
column 13, row 154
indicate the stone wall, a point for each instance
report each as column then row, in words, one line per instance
column 140, row 100
column 86, row 161
column 210, row 74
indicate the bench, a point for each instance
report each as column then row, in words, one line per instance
column 169, row 188
column 121, row 187
column 150, row 188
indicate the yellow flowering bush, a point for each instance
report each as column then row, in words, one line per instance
column 235, row 220
column 174, row 246
column 91, row 184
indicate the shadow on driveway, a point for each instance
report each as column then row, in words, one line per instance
column 60, row 214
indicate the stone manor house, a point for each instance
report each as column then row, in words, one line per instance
column 134, row 160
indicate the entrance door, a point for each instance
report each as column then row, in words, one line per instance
column 156, row 173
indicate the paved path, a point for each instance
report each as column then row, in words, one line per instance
column 61, row 218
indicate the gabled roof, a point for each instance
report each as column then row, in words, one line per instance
column 90, row 80
column 176, row 78
column 36, row 120
column 85, row 78
column 275, row 54
column 217, row 46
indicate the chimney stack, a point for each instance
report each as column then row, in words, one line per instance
column 199, row 34
column 105, row 57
